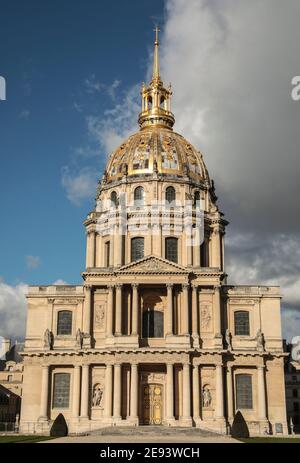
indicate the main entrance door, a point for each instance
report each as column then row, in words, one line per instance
column 152, row 404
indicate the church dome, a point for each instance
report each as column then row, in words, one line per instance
column 156, row 149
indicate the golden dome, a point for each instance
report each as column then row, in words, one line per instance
column 156, row 149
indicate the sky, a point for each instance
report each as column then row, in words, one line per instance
column 73, row 72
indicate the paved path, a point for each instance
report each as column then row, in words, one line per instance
column 143, row 439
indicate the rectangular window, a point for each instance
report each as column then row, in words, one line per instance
column 243, row 392
column 241, row 323
column 64, row 322
column 295, row 393
column 61, row 390
column 107, row 253
column 296, row 407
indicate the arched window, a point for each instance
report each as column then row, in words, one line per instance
column 241, row 323
column 243, row 385
column 172, row 249
column 61, row 390
column 197, row 199
column 137, row 248
column 139, row 195
column 153, row 324
column 114, row 199
column 64, row 322
column 170, row 194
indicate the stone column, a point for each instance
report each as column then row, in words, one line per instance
column 117, row 391
column 110, row 309
column 118, row 330
column 196, row 393
column 217, row 316
column 196, row 254
column 134, row 394
column 87, row 309
column 135, row 305
column 185, row 311
column 169, row 309
column 92, row 249
column 216, row 248
column 262, row 409
column 189, row 247
column 76, row 392
column 44, row 392
column 85, row 391
column 195, row 329
column 111, row 249
column 230, row 394
column 108, row 391
column 170, row 392
column 186, row 396
column 118, row 246
column 219, row 392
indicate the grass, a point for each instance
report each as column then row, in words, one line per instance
column 13, row 439
column 271, row 440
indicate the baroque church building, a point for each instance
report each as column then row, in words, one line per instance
column 154, row 335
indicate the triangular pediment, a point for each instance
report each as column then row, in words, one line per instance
column 153, row 265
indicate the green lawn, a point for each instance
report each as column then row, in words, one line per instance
column 26, row 439
column 271, row 440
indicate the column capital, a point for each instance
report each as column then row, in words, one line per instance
column 110, row 286
column 119, row 285
column 185, row 286
column 195, row 287
column 117, row 364
column 169, row 285
column 261, row 367
column 88, row 286
column 135, row 285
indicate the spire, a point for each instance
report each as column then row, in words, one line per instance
column 156, row 99
column 156, row 75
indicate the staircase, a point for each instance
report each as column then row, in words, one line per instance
column 153, row 431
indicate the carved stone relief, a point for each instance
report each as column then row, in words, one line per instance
column 206, row 316
column 99, row 316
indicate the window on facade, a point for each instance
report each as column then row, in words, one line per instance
column 64, row 322
column 171, row 249
column 107, row 253
column 243, row 392
column 9, row 378
column 295, row 393
column 296, row 406
column 139, row 195
column 241, row 323
column 153, row 324
column 61, row 390
column 170, row 194
column 197, row 199
column 137, row 249
column 114, row 199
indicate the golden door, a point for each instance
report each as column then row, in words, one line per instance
column 152, row 404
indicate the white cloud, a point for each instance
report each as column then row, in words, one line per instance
column 79, row 185
column 92, row 85
column 33, row 262
column 60, row 282
column 112, row 127
column 13, row 310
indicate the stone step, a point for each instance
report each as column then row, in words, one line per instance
column 153, row 431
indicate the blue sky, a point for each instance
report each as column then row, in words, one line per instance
column 60, row 60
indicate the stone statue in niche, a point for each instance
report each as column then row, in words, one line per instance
column 206, row 397
column 260, row 341
column 48, row 339
column 228, row 339
column 98, row 396
column 79, row 338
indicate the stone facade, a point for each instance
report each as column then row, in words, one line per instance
column 153, row 337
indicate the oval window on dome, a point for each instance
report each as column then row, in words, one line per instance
column 170, row 194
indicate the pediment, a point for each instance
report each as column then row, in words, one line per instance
column 153, row 265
